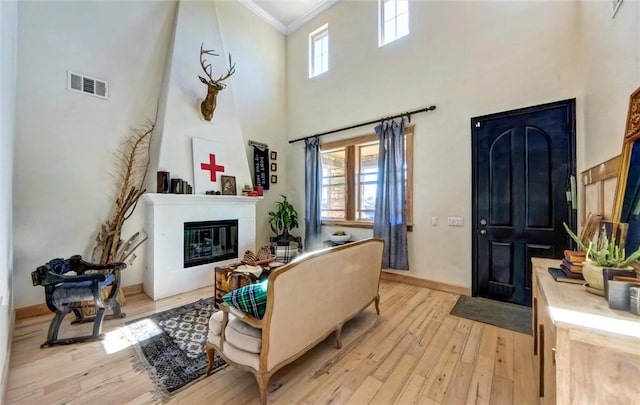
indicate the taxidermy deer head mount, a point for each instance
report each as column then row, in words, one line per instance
column 213, row 86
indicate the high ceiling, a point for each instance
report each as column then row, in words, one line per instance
column 288, row 15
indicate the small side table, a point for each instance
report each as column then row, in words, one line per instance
column 226, row 279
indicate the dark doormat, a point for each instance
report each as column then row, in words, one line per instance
column 501, row 314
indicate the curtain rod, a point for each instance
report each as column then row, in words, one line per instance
column 258, row 144
column 407, row 114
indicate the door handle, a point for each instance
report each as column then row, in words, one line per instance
column 572, row 198
column 483, row 231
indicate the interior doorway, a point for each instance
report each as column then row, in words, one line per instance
column 522, row 165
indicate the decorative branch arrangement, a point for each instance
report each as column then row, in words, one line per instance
column 133, row 164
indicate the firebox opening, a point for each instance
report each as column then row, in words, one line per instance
column 210, row 241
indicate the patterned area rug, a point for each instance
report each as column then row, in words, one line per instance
column 170, row 345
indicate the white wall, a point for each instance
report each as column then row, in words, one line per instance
column 64, row 162
column 252, row 107
column 610, row 62
column 8, row 42
column 197, row 23
column 468, row 58
column 259, row 89
column 61, row 203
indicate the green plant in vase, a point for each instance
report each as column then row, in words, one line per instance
column 601, row 254
column 283, row 219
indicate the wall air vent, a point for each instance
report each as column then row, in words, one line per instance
column 87, row 85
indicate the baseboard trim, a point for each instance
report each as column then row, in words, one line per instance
column 42, row 309
column 132, row 289
column 421, row 282
column 31, row 311
column 5, row 372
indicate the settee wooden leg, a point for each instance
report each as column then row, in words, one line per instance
column 210, row 357
column 263, row 384
column 339, row 337
column 377, row 302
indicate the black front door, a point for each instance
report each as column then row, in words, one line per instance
column 522, row 164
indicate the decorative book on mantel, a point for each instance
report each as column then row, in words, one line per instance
column 575, row 256
column 560, row 276
column 570, row 270
column 572, row 264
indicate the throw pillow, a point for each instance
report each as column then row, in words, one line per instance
column 285, row 254
column 251, row 299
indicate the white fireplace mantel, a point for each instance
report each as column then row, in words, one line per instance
column 197, row 199
column 165, row 215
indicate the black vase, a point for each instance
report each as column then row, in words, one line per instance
column 164, row 182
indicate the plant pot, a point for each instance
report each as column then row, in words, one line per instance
column 284, row 238
column 592, row 274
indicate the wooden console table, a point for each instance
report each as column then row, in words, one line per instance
column 585, row 353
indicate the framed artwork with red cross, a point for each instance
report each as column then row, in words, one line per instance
column 210, row 161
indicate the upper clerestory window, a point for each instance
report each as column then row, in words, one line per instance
column 393, row 20
column 319, row 51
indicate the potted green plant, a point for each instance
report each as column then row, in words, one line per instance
column 283, row 219
column 601, row 254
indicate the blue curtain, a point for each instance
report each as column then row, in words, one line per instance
column 312, row 188
column 390, row 220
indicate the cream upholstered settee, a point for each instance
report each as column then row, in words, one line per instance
column 307, row 300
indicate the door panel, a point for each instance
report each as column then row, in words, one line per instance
column 500, row 180
column 522, row 161
column 538, row 149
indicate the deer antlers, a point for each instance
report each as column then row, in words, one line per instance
column 208, row 69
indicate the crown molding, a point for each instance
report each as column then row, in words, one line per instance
column 309, row 15
column 260, row 12
column 297, row 23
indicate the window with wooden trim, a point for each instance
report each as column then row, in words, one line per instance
column 350, row 176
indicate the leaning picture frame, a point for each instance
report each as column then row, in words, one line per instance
column 228, row 185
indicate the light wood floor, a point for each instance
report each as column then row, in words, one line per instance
column 416, row 353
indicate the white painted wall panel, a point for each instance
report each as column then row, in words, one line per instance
column 8, row 43
column 610, row 64
column 469, row 59
column 64, row 152
column 65, row 163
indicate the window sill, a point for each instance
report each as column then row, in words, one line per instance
column 355, row 224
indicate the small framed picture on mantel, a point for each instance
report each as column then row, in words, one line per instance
column 228, row 185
